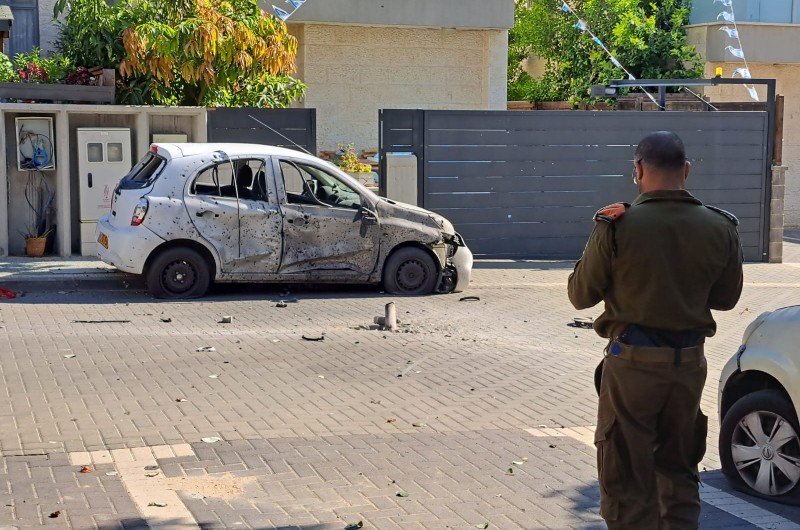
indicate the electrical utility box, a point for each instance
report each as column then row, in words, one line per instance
column 104, row 157
column 35, row 144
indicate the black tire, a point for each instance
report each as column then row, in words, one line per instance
column 178, row 273
column 760, row 433
column 410, row 271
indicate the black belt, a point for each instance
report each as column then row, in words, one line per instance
column 655, row 354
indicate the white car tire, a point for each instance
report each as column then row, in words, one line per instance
column 759, row 445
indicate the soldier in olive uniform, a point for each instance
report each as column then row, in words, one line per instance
column 660, row 265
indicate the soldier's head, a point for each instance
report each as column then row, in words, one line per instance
column 660, row 162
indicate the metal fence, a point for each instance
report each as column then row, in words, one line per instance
column 290, row 128
column 526, row 184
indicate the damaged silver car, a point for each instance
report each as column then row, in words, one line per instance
column 190, row 214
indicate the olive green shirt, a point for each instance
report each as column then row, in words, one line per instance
column 665, row 264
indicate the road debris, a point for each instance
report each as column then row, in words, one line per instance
column 211, row 439
column 281, row 303
column 354, row 526
column 54, row 514
column 401, row 493
column 70, row 356
column 227, row 319
column 7, row 294
column 391, row 420
column 581, row 322
column 181, row 400
column 314, row 339
column 158, row 504
column 470, row 299
column 166, row 320
column 101, row 321
column 206, row 349
column 86, row 469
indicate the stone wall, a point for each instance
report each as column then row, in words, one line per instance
column 353, row 71
column 48, row 32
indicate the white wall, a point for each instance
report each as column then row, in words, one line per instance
column 353, row 71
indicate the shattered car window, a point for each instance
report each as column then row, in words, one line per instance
column 216, row 181
column 307, row 184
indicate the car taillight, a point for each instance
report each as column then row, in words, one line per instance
column 139, row 212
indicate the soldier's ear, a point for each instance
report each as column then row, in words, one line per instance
column 686, row 169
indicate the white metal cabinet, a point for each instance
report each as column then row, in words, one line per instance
column 104, row 157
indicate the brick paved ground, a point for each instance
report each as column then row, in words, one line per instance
column 319, row 434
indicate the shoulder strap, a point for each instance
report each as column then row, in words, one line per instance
column 732, row 218
column 612, row 212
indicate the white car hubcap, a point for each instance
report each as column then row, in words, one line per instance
column 766, row 451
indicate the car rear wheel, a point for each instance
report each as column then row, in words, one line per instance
column 178, row 273
column 410, row 271
column 759, row 445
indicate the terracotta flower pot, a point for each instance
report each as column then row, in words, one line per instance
column 34, row 246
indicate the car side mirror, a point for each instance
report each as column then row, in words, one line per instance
column 368, row 216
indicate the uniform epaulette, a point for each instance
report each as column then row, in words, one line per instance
column 732, row 218
column 611, row 213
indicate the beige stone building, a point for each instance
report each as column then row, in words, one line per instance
column 772, row 53
column 359, row 56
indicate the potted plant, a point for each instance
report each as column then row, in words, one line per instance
column 36, row 242
column 347, row 160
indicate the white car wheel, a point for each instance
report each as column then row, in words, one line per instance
column 760, row 446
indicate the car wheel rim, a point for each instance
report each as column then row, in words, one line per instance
column 411, row 275
column 179, row 277
column 766, row 452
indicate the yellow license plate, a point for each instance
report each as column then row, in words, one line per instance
column 103, row 240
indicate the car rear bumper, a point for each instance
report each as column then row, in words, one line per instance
column 128, row 248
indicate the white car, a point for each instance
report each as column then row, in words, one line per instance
column 190, row 214
column 759, row 392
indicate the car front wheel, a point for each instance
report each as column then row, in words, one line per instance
column 410, row 271
column 178, row 273
column 759, row 445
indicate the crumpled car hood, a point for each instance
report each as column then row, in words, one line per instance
column 413, row 213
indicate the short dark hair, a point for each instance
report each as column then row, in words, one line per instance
column 661, row 149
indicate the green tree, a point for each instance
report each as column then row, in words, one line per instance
column 647, row 37
column 185, row 52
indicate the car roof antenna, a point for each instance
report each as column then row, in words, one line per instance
column 279, row 134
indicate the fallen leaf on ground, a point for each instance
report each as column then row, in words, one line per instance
column 86, row 469
column 517, row 462
column 181, row 400
column 314, row 339
column 158, row 504
column 510, row 471
column 469, row 299
column 402, row 493
column 419, row 424
column 391, row 420
column 151, row 475
column 150, row 468
column 54, row 515
column 354, row 526
column 482, row 525
column 214, row 376
column 211, row 439
column 69, row 356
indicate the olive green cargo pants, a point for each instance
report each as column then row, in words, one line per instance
column 650, row 438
